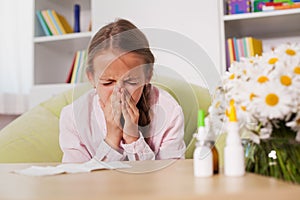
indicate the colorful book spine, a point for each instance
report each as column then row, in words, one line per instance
column 69, row 77
column 230, row 50
column 65, row 23
column 49, row 22
column 240, row 47
column 58, row 22
column 77, row 71
column 43, row 23
column 78, row 67
column 238, row 6
column 73, row 79
column 81, row 71
column 255, row 46
column 236, row 50
column 54, row 22
column 246, row 52
column 227, row 56
column 258, row 5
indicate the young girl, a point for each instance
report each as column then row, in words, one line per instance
column 124, row 117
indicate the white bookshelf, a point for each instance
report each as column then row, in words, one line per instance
column 53, row 55
column 272, row 27
column 208, row 26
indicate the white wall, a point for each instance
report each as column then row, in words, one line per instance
column 195, row 19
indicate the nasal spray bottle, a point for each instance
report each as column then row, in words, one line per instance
column 233, row 153
column 203, row 157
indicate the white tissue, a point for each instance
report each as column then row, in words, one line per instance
column 89, row 166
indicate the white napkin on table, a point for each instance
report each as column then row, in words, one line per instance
column 88, row 166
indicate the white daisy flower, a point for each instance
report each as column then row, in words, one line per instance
column 272, row 102
column 295, row 123
column 288, row 50
column 288, row 53
column 269, row 58
column 265, row 90
column 285, row 76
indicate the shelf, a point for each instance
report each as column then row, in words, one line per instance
column 281, row 23
column 261, row 14
column 69, row 36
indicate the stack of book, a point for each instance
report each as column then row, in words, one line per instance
column 280, row 5
column 77, row 71
column 246, row 6
column 53, row 23
column 236, row 48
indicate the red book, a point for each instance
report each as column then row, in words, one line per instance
column 68, row 80
column 273, row 4
column 233, row 47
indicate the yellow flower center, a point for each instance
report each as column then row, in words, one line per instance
column 272, row 99
column 297, row 70
column 290, row 52
column 285, row 80
column 231, row 76
column 252, row 95
column 243, row 108
column 245, row 72
column 218, row 104
column 272, row 61
column 262, row 79
column 227, row 113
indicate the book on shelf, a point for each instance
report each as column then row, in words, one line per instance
column 230, row 51
column 65, row 24
column 61, row 22
column 49, row 22
column 59, row 31
column 280, row 6
column 69, row 77
column 238, row 6
column 76, row 73
column 255, row 46
column 246, row 6
column 238, row 48
column 43, row 23
column 56, row 23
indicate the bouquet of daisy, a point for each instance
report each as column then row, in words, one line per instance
column 266, row 92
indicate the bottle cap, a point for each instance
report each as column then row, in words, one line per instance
column 201, row 117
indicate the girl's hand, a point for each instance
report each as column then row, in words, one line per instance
column 131, row 117
column 112, row 113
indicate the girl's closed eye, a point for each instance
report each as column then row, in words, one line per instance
column 132, row 81
column 106, row 82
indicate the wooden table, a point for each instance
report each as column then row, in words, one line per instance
column 173, row 180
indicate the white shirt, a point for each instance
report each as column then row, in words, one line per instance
column 83, row 130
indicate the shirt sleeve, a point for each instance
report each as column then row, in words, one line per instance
column 107, row 153
column 172, row 145
column 138, row 150
column 70, row 143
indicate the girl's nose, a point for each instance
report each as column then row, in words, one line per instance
column 119, row 85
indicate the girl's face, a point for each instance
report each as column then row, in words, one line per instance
column 113, row 72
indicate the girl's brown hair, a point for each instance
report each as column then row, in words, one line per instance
column 124, row 37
